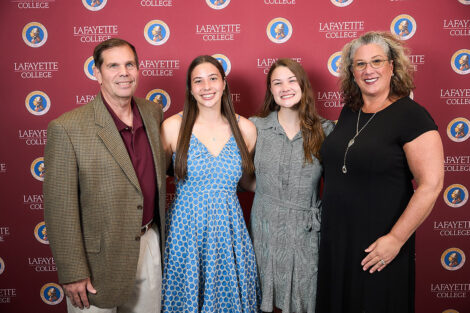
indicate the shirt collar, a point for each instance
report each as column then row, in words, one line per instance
column 272, row 122
column 120, row 125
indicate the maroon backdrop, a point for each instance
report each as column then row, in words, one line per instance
column 46, row 49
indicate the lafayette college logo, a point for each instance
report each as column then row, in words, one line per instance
column 94, row 5
column 460, row 61
column 456, row 195
column 453, row 259
column 341, row 3
column 279, row 30
column 37, row 168
column 161, row 97
column 404, row 26
column 88, row 68
column 156, row 32
column 52, row 294
column 217, row 4
column 458, row 129
column 224, row 61
column 37, row 102
column 40, row 233
column 34, row 34
column 334, row 63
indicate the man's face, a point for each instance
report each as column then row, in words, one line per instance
column 118, row 75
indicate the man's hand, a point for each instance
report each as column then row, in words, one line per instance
column 77, row 292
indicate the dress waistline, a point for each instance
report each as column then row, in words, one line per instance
column 287, row 204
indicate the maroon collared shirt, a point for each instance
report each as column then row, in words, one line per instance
column 137, row 144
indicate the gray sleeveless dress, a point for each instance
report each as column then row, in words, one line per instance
column 284, row 222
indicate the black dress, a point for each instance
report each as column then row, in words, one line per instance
column 363, row 205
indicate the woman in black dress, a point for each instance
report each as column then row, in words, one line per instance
column 382, row 141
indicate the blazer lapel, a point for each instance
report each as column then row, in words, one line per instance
column 153, row 134
column 113, row 141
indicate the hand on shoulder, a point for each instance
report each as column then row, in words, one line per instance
column 328, row 126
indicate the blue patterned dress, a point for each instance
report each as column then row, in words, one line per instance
column 209, row 263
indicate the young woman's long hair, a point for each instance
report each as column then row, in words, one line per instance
column 190, row 112
column 310, row 121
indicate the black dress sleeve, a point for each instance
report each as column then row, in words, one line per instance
column 416, row 120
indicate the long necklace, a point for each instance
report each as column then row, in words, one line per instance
column 351, row 142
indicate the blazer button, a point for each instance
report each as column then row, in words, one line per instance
column 137, row 238
column 139, row 207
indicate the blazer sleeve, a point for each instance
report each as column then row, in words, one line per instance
column 62, row 205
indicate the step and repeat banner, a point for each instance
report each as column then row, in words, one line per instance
column 46, row 70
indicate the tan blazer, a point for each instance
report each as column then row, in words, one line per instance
column 93, row 201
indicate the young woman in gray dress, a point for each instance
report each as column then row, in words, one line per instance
column 285, row 214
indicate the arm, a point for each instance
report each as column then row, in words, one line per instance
column 248, row 130
column 62, row 215
column 425, row 159
column 169, row 133
column 247, row 182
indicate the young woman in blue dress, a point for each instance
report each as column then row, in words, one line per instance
column 209, row 262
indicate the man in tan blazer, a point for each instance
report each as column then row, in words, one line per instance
column 104, row 192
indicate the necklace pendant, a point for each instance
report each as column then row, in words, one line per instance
column 344, row 169
column 351, row 142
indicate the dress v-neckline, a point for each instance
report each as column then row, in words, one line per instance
column 205, row 147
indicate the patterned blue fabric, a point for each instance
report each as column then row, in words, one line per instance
column 209, row 263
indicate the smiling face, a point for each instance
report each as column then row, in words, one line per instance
column 118, row 75
column 285, row 88
column 207, row 85
column 373, row 82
